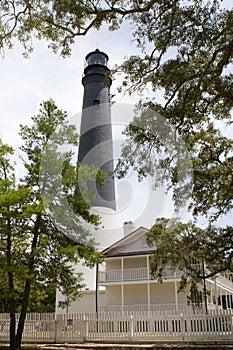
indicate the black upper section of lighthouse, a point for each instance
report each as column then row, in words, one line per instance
column 95, row 147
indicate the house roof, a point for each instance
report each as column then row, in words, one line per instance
column 132, row 244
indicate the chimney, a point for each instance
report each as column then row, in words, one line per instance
column 128, row 227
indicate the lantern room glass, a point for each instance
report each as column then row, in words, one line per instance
column 96, row 58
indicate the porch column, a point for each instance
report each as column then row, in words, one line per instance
column 208, row 295
column 148, row 296
column 216, row 293
column 148, row 283
column 122, row 297
column 122, row 268
column 211, row 296
column 148, row 267
column 176, row 295
column 122, row 286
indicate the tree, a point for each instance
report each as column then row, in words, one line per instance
column 196, row 80
column 163, row 24
column 191, row 63
column 200, row 253
column 61, row 22
column 42, row 295
column 33, row 250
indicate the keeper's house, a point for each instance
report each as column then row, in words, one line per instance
column 125, row 282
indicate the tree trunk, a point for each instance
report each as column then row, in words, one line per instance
column 12, row 323
column 23, row 313
column 11, row 289
column 27, row 287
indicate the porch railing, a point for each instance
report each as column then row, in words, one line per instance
column 143, row 273
column 159, row 307
column 135, row 274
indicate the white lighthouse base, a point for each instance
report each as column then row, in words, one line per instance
column 108, row 233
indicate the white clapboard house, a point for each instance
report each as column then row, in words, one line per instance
column 125, row 283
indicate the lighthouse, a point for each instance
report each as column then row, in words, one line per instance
column 96, row 145
column 96, row 151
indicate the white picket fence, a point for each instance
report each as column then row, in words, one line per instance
column 39, row 327
column 135, row 327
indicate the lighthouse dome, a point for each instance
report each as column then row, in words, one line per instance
column 96, row 57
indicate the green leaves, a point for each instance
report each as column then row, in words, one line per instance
column 190, row 62
column 60, row 22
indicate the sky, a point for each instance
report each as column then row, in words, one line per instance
column 25, row 83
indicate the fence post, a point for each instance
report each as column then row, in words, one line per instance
column 131, row 328
column 85, row 328
column 182, row 326
column 58, row 329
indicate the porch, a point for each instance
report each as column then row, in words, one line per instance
column 134, row 289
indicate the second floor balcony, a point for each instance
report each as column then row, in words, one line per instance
column 125, row 275
column 135, row 274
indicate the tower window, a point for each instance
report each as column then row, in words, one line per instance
column 96, row 103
